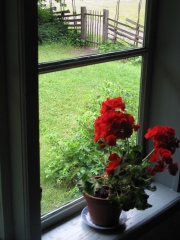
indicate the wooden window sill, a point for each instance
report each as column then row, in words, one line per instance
column 164, row 200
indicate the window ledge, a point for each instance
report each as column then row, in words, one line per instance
column 164, row 200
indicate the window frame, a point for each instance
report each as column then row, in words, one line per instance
column 19, row 132
column 19, row 136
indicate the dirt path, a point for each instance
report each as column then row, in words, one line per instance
column 82, row 51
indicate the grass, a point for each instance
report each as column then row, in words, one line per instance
column 54, row 51
column 62, row 97
column 62, row 93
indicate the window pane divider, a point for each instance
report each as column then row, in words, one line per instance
column 53, row 66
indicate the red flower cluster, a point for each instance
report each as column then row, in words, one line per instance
column 113, row 123
column 163, row 137
column 114, row 161
column 165, row 145
column 112, row 105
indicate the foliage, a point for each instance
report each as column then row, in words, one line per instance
column 45, row 15
column 127, row 175
column 74, row 39
column 109, row 46
column 50, row 29
column 70, row 158
column 53, row 29
column 135, row 60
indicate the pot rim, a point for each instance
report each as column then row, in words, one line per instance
column 103, row 199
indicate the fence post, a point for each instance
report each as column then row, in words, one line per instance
column 50, row 5
column 137, row 24
column 83, row 23
column 105, row 24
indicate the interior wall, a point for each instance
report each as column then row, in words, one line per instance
column 165, row 92
column 165, row 100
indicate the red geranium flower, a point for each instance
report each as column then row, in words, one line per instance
column 111, row 139
column 114, row 161
column 165, row 153
column 161, row 154
column 136, row 127
column 163, row 137
column 159, row 167
column 173, row 168
column 154, row 157
column 118, row 124
column 122, row 126
column 151, row 171
column 112, row 166
column 101, row 128
column 114, row 157
column 102, row 146
column 114, row 124
column 123, row 162
column 112, row 104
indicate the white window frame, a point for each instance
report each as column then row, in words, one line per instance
column 19, row 126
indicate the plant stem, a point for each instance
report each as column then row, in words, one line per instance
column 127, row 141
column 148, row 155
column 109, row 150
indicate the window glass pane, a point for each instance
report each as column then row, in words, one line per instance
column 69, row 102
column 76, row 28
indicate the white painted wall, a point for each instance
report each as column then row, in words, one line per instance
column 165, row 92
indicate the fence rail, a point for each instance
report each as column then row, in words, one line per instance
column 96, row 27
column 122, row 31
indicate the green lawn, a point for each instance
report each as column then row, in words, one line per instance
column 63, row 95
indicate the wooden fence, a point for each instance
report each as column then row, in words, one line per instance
column 74, row 21
column 97, row 28
column 131, row 33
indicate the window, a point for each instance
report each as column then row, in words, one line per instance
column 89, row 27
column 56, row 71
column 19, row 137
column 19, row 156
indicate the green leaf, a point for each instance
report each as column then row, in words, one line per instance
column 137, row 148
column 152, row 188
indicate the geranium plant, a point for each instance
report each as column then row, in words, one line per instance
column 127, row 174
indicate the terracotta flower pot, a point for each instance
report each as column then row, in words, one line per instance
column 101, row 211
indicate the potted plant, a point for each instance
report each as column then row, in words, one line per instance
column 127, row 174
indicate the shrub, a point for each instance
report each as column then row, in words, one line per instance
column 50, row 28
column 53, row 29
column 109, row 46
column 45, row 15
